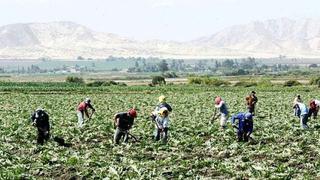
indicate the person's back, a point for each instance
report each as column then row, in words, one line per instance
column 41, row 119
column 166, row 105
column 125, row 121
column 222, row 107
column 303, row 108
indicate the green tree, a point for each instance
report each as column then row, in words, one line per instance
column 163, row 66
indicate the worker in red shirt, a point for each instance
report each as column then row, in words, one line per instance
column 83, row 110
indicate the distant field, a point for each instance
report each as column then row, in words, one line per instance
column 107, row 65
column 97, row 65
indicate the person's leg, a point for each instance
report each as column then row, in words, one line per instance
column 47, row 135
column 245, row 133
column 126, row 137
column 165, row 135
column 40, row 139
column 223, row 120
column 158, row 132
column 80, row 118
column 252, row 110
column 240, row 135
column 305, row 120
column 117, row 136
column 315, row 113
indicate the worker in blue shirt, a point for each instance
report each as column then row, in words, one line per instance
column 245, row 126
column 302, row 112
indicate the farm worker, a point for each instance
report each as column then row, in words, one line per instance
column 40, row 119
column 251, row 101
column 297, row 99
column 162, row 124
column 314, row 108
column 223, row 111
column 245, row 126
column 302, row 113
column 123, row 122
column 162, row 103
column 83, row 110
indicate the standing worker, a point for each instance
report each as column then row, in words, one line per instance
column 83, row 110
column 245, row 126
column 251, row 101
column 40, row 119
column 302, row 112
column 223, row 111
column 162, row 124
column 123, row 122
column 314, row 108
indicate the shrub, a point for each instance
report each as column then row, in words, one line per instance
column 290, row 83
column 207, row 81
column 264, row 83
column 105, row 83
column 158, row 80
column 315, row 81
column 246, row 83
column 73, row 79
column 194, row 80
column 96, row 83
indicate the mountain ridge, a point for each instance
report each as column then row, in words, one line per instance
column 68, row 40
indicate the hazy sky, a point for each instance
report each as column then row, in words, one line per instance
column 156, row 19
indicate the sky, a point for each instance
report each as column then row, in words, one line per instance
column 177, row 20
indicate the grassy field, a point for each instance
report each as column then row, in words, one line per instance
column 195, row 149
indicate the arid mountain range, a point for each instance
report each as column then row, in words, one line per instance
column 68, row 40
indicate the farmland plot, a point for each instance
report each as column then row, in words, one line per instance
column 195, row 149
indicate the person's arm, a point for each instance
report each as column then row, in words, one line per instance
column 254, row 100
column 91, row 107
column 234, row 118
column 86, row 112
column 116, row 120
column 169, row 108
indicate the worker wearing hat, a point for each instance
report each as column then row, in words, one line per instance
column 83, row 110
column 123, row 122
column 245, row 126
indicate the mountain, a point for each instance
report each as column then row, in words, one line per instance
column 279, row 36
column 68, row 40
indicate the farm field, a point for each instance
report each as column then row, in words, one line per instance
column 196, row 149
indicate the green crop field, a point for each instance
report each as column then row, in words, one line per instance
column 196, row 150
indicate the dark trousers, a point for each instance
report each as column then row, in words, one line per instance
column 164, row 135
column 118, row 134
column 244, row 134
column 42, row 136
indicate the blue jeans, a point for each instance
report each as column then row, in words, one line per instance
column 303, row 121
